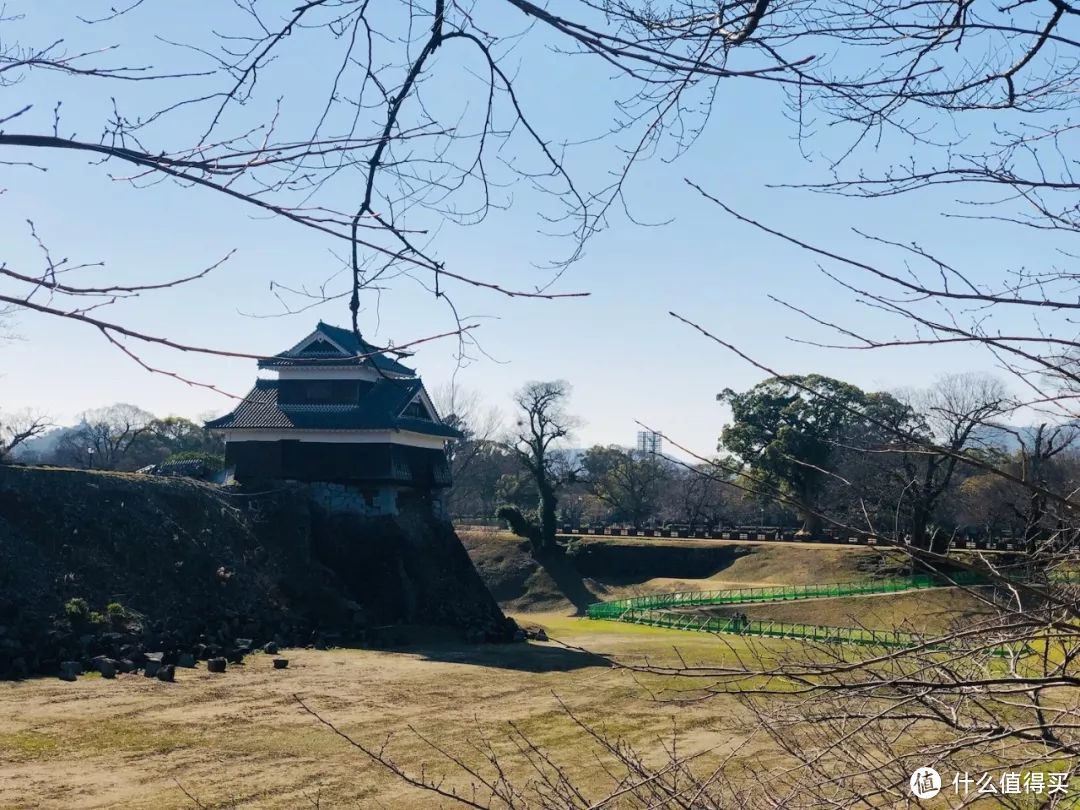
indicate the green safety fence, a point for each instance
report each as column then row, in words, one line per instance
column 770, row 628
column 773, row 593
column 791, row 630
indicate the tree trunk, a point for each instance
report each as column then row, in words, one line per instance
column 919, row 520
column 939, row 543
column 548, row 502
column 812, row 523
column 1034, row 531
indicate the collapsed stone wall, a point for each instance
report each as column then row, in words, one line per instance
column 181, row 561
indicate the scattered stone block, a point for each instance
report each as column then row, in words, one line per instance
column 216, row 665
column 106, row 666
column 281, row 663
column 167, row 673
column 270, row 648
column 541, row 635
column 151, row 668
column 125, row 665
column 186, row 660
column 70, row 670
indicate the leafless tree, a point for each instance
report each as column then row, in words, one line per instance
column 961, row 412
column 388, row 158
column 542, row 423
column 104, row 436
column 699, row 499
column 466, row 411
column 1046, row 459
column 6, row 315
column 478, row 773
column 380, row 166
column 989, row 694
column 18, row 428
column 1038, row 457
column 482, row 426
column 859, row 727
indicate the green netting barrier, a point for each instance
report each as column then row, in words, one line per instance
column 791, row 630
column 770, row 628
column 657, row 610
column 772, row 593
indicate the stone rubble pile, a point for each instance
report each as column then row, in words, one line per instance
column 134, row 658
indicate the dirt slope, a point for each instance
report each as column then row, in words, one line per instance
column 614, row 568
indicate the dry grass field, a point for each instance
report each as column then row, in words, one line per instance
column 241, row 739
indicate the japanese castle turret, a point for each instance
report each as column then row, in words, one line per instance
column 345, row 416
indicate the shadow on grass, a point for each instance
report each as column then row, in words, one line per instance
column 569, row 581
column 521, row 657
column 447, row 644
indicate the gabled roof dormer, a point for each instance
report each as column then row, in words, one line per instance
column 421, row 408
column 320, row 347
column 333, row 346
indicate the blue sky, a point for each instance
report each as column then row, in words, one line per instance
column 625, row 357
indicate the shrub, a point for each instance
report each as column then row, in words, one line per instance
column 79, row 614
column 76, row 609
column 213, row 462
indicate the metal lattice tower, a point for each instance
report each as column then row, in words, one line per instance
column 650, row 442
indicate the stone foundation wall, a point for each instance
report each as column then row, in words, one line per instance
column 347, row 499
column 376, row 502
column 185, row 559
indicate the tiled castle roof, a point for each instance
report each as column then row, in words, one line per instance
column 379, row 408
column 334, row 346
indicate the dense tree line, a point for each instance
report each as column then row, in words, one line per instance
column 117, row 437
column 926, row 463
